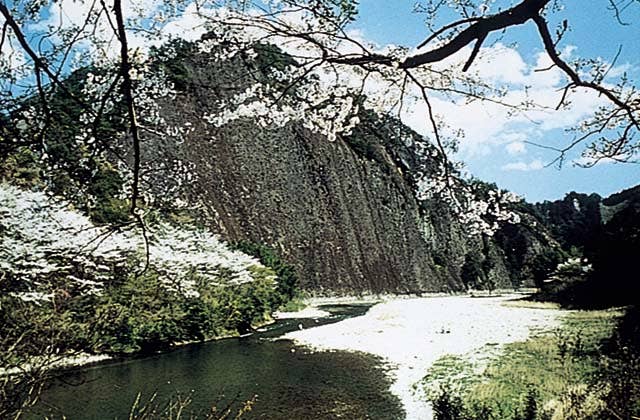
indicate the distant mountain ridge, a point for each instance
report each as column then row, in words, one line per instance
column 607, row 232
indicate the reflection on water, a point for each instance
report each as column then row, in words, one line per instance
column 289, row 381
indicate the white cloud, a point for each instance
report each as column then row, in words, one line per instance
column 189, row 26
column 617, row 71
column 488, row 124
column 516, row 148
column 501, row 64
column 534, row 165
column 99, row 36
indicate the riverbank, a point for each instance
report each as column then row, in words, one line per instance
column 79, row 360
column 60, row 362
column 412, row 333
column 574, row 372
column 311, row 310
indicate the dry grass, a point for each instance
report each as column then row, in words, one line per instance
column 553, row 364
column 530, row 304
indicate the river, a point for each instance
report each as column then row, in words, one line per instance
column 358, row 363
column 288, row 380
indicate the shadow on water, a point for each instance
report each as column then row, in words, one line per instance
column 289, row 381
column 337, row 313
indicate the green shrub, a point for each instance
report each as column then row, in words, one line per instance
column 287, row 287
column 447, row 405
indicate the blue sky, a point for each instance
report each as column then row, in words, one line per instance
column 495, row 147
column 501, row 156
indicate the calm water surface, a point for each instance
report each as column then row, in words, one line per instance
column 288, row 381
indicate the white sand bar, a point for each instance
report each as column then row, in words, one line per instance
column 308, row 312
column 411, row 334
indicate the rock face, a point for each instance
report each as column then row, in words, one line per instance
column 343, row 212
column 346, row 222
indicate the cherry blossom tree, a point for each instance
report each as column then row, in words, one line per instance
column 331, row 75
column 44, row 239
column 50, row 253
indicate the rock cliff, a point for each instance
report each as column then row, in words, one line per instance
column 344, row 212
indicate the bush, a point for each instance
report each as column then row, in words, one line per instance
column 287, row 286
column 447, row 405
column 142, row 315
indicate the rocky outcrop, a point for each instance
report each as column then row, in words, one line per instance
column 344, row 213
column 346, row 222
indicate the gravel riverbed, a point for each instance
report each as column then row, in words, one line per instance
column 411, row 334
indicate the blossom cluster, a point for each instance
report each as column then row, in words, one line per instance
column 329, row 114
column 481, row 213
column 45, row 242
column 574, row 266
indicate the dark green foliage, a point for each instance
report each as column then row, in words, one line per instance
column 143, row 315
column 270, row 57
column 545, row 263
column 66, row 153
column 611, row 244
column 615, row 264
column 287, row 287
column 471, row 273
column 137, row 313
column 237, row 308
column 513, row 239
column 170, row 59
column 518, row 244
column 481, row 189
column 628, row 195
column 362, row 144
column 447, row 405
column 574, row 220
column 20, row 167
column 386, row 140
column 620, row 367
column 365, row 138
column 524, row 207
column 105, row 186
column 530, row 409
column 628, row 331
column 37, row 335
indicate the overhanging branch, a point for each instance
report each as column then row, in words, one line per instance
column 478, row 31
column 39, row 64
column 576, row 81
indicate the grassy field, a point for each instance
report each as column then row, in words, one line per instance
column 564, row 374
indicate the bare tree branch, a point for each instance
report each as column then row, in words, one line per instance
column 574, row 77
column 127, row 87
column 479, row 30
column 38, row 62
